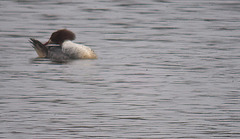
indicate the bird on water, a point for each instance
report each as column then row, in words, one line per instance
column 60, row 47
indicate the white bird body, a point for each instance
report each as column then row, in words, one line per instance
column 77, row 51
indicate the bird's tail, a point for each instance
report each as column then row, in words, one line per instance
column 41, row 49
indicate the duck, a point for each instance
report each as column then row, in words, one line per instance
column 60, row 47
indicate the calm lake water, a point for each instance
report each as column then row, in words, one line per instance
column 166, row 69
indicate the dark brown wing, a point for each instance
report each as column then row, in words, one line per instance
column 41, row 50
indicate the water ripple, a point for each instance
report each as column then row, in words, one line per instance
column 166, row 69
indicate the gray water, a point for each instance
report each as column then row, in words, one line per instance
column 166, row 69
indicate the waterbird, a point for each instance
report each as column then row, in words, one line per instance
column 60, row 47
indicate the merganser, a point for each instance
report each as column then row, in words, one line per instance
column 60, row 47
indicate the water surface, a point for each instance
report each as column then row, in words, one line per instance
column 166, row 69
